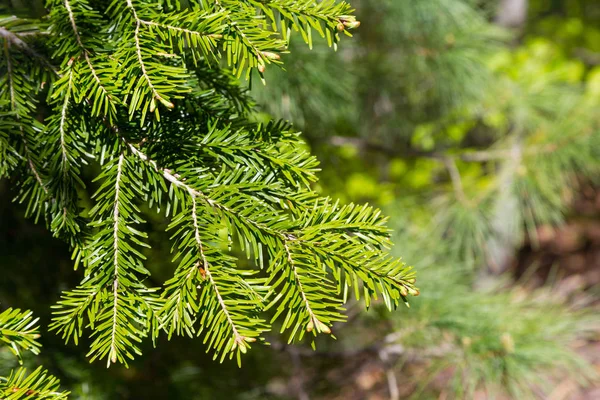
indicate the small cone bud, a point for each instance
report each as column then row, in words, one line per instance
column 310, row 326
column 324, row 328
column 403, row 291
column 166, row 103
column 352, row 24
column 349, row 21
column 270, row 55
column 340, row 27
column 250, row 339
column 261, row 68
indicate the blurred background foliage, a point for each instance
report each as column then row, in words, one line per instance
column 475, row 125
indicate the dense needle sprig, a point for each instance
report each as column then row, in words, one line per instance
column 148, row 92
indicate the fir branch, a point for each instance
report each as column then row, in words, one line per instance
column 13, row 104
column 239, row 339
column 69, row 312
column 63, row 118
column 327, row 17
column 175, row 180
column 38, row 384
column 178, row 29
column 264, row 53
column 19, row 330
column 138, row 51
column 314, row 321
column 85, row 51
column 11, row 37
column 113, row 350
column 213, row 167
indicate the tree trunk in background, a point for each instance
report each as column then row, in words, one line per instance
column 501, row 248
column 503, row 244
column 512, row 13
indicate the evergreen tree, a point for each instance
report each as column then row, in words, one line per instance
column 145, row 95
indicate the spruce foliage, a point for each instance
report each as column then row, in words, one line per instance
column 146, row 93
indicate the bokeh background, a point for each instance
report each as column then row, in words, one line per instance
column 475, row 125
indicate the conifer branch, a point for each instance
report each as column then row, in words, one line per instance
column 63, row 118
column 19, row 330
column 38, row 384
column 11, row 37
column 63, row 146
column 68, row 314
column 239, row 339
column 172, row 177
column 223, row 179
column 113, row 351
column 181, row 30
column 314, row 321
column 255, row 48
column 84, row 50
column 13, row 105
column 138, row 51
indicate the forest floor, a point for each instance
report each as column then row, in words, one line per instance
column 569, row 258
